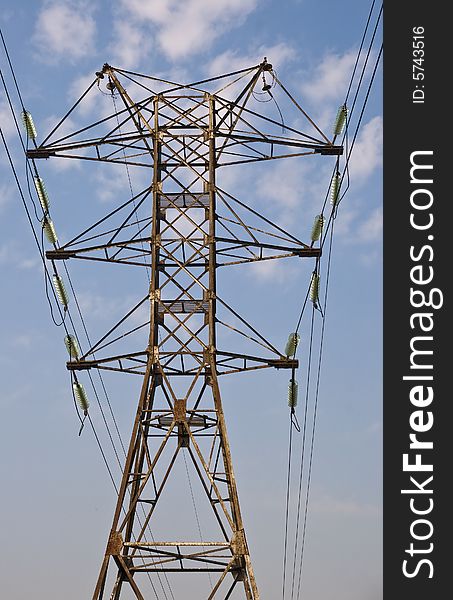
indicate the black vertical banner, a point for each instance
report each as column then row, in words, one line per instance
column 418, row 259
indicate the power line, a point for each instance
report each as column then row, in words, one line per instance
column 330, row 226
column 302, row 456
column 315, row 412
column 359, row 51
column 288, row 488
column 41, row 251
column 67, row 313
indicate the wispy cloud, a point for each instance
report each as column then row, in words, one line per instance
column 112, row 183
column 187, row 28
column 24, row 340
column 277, row 271
column 370, row 230
column 367, row 152
column 330, row 78
column 325, row 84
column 11, row 254
column 79, row 87
column 359, row 226
column 233, row 60
column 102, row 307
column 6, row 120
column 64, row 29
column 326, row 504
column 6, row 194
column 279, row 55
column 131, row 43
column 294, row 189
column 68, row 127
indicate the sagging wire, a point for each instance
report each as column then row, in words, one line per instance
column 58, row 282
column 48, row 230
column 266, row 91
column 24, row 147
column 288, row 492
column 55, row 322
column 30, row 132
column 58, row 288
column 315, row 412
column 290, row 351
column 112, row 89
column 334, row 190
column 362, row 113
column 46, row 272
column 82, row 395
column 111, row 438
column 349, row 113
column 337, row 199
column 302, row 455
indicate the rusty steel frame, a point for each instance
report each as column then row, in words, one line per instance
column 183, row 128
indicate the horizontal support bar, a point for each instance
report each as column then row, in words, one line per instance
column 163, row 569
column 330, row 150
column 183, row 306
column 184, row 200
column 153, row 544
column 39, row 153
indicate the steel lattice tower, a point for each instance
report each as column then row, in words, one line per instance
column 182, row 134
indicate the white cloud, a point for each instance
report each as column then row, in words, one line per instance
column 11, row 254
column 345, row 221
column 231, row 60
column 111, row 183
column 331, row 78
column 371, row 229
column 347, row 507
column 68, row 127
column 296, row 189
column 186, row 28
column 64, row 29
column 29, row 263
column 362, row 227
column 367, row 152
column 24, row 341
column 278, row 270
column 131, row 44
column 103, row 307
column 5, row 253
column 6, row 120
column 78, row 87
column 6, row 194
column 356, row 226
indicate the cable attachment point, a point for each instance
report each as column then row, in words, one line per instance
column 294, row 421
column 266, row 86
column 266, row 66
column 83, row 424
column 292, row 393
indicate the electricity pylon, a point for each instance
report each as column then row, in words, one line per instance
column 186, row 228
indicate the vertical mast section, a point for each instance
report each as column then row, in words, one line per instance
column 240, row 548
column 167, row 404
column 137, row 447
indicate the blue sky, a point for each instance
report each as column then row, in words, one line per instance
column 58, row 500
